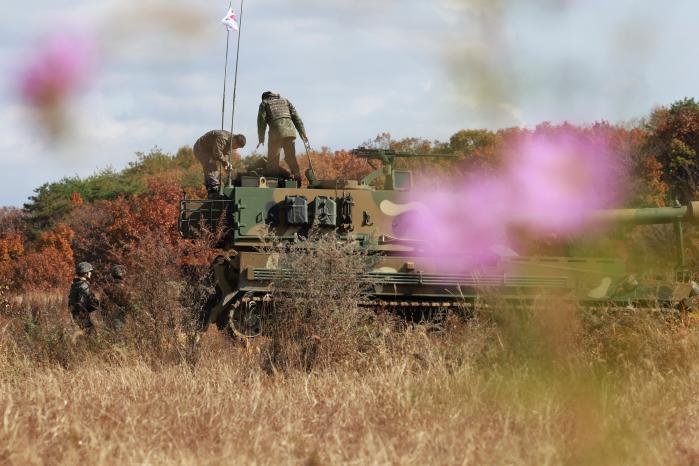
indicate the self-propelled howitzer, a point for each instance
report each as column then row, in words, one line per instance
column 257, row 210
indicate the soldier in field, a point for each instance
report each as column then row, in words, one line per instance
column 212, row 149
column 81, row 300
column 283, row 121
column 117, row 299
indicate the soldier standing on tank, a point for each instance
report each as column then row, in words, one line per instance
column 213, row 149
column 283, row 121
column 81, row 300
column 117, row 299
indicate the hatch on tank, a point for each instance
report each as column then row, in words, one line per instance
column 402, row 180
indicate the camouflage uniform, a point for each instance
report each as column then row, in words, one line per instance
column 283, row 121
column 118, row 300
column 211, row 150
column 82, row 302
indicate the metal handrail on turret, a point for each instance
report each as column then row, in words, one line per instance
column 388, row 158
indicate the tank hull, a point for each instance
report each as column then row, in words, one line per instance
column 257, row 215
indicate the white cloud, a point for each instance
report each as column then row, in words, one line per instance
column 367, row 105
column 353, row 69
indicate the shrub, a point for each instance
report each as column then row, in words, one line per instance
column 317, row 320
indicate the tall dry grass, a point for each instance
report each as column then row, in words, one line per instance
column 317, row 321
column 550, row 384
column 461, row 399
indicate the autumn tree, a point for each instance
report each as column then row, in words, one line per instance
column 48, row 264
column 469, row 141
column 673, row 141
column 53, row 202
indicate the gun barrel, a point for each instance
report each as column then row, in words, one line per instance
column 439, row 156
column 649, row 216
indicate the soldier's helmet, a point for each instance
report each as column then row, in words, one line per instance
column 240, row 140
column 267, row 94
column 83, row 268
column 118, row 272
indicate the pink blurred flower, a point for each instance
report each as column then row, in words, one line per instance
column 557, row 178
column 547, row 185
column 61, row 66
column 460, row 227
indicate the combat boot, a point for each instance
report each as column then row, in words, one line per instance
column 295, row 170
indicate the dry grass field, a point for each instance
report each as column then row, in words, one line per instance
column 538, row 387
column 331, row 384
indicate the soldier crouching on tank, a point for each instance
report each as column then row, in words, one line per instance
column 283, row 121
column 213, row 149
column 117, row 299
column 81, row 300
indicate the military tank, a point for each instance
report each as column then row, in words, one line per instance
column 255, row 210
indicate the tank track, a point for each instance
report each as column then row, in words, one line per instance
column 246, row 314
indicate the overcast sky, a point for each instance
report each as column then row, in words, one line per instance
column 352, row 68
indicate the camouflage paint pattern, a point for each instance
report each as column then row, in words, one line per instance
column 256, row 214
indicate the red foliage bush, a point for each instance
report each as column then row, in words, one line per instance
column 104, row 233
column 49, row 263
column 155, row 211
column 11, row 247
column 76, row 199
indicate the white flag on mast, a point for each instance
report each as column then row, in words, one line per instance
column 230, row 21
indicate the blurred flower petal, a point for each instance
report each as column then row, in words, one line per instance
column 61, row 66
column 547, row 185
column 558, row 178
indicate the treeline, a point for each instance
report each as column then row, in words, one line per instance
column 105, row 217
